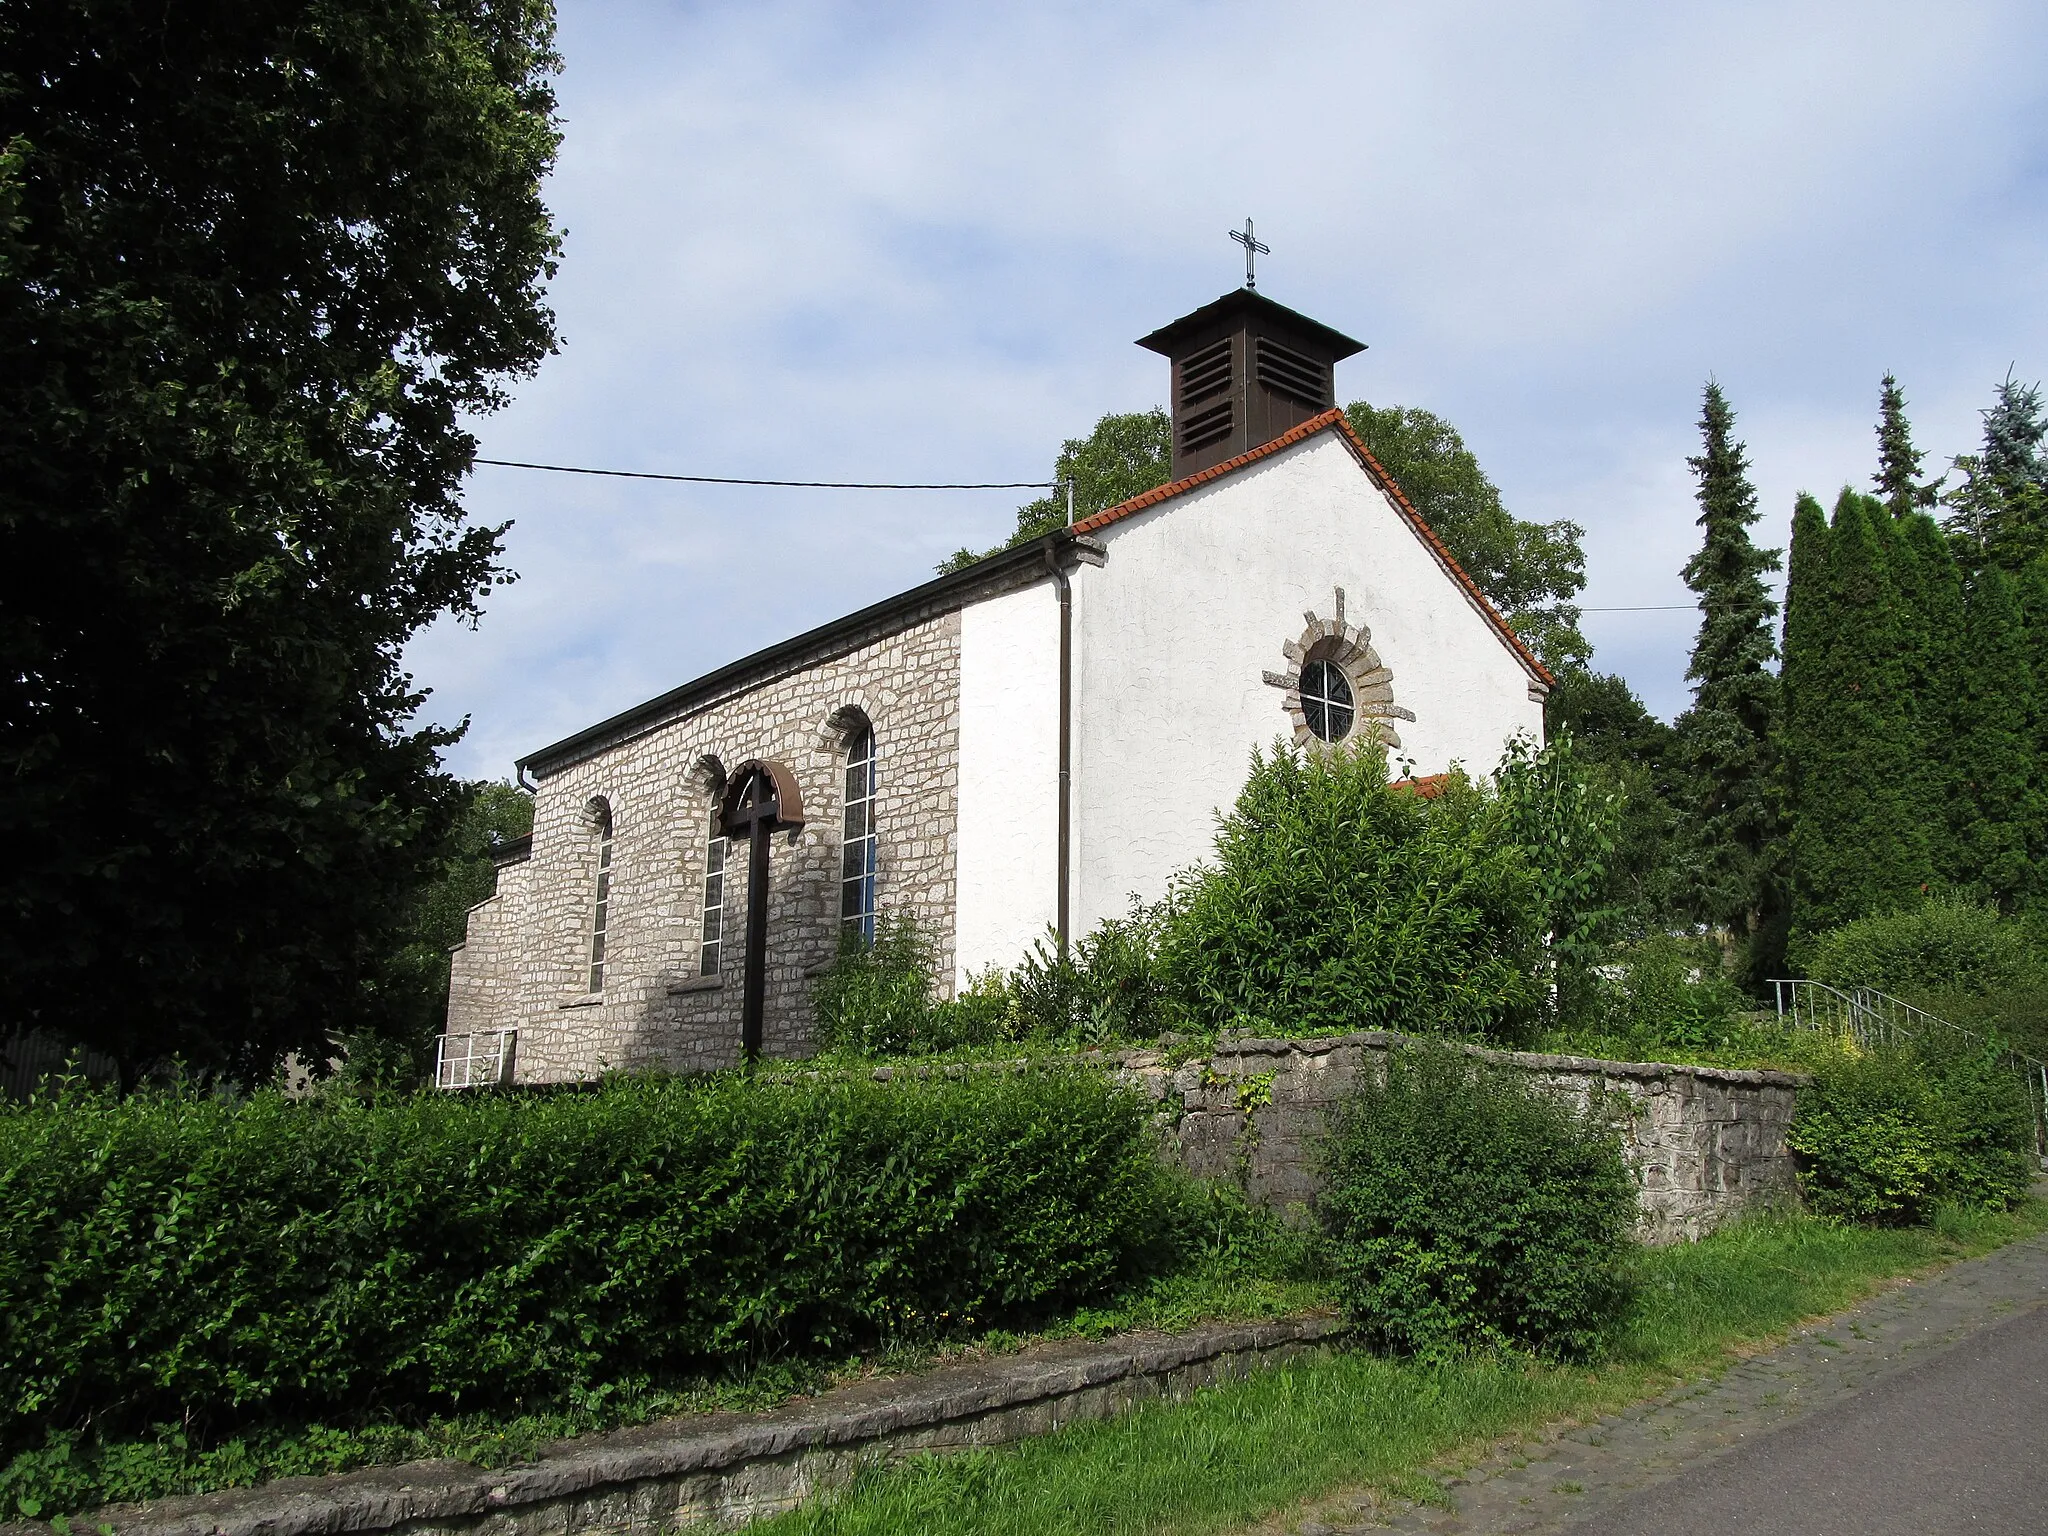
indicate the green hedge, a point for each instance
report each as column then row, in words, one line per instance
column 185, row 1259
column 1888, row 1136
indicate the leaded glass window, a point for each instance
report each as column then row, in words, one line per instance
column 857, row 838
column 1326, row 700
column 714, row 899
column 600, row 909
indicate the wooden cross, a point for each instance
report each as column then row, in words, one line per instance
column 761, row 799
column 1253, row 248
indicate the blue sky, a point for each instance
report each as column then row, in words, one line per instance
column 817, row 241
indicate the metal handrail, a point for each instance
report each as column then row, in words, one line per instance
column 1871, row 1017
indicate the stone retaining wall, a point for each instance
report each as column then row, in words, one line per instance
column 722, row 1470
column 1705, row 1141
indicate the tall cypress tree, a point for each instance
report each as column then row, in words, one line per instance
column 1809, row 642
column 1726, row 738
column 1860, row 844
column 1994, row 749
column 1898, row 461
column 1930, row 587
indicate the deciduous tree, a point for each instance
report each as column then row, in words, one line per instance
column 266, row 259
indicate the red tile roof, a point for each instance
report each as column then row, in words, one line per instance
column 1334, row 419
column 1427, row 787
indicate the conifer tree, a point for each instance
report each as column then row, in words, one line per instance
column 2032, row 591
column 1930, row 587
column 1994, row 752
column 1726, row 738
column 1860, row 843
column 2000, row 511
column 1807, row 640
column 1898, row 461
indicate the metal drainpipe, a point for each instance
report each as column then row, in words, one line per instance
column 1065, row 591
column 519, row 777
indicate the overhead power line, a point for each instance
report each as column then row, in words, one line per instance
column 806, row 485
column 1643, row 608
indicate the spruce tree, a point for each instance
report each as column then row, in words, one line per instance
column 1726, row 738
column 1994, row 749
column 1898, row 461
column 2000, row 511
column 2033, row 600
column 1860, row 844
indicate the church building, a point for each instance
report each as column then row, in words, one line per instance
column 1020, row 746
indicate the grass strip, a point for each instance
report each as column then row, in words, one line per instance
column 1237, row 1453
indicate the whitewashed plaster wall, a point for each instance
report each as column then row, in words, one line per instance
column 1008, row 858
column 1174, row 634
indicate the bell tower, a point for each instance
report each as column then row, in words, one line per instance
column 1245, row 370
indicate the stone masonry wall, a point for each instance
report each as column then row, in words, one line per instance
column 1705, row 1141
column 526, row 961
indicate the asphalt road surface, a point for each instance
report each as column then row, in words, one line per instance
column 1956, row 1443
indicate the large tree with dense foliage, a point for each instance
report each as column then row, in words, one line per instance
column 1627, row 752
column 1127, row 454
column 1529, row 571
column 263, row 260
column 1726, row 740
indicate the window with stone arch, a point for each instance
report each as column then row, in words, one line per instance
column 1336, row 689
column 857, row 828
column 600, row 816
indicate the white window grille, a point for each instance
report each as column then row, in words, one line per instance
column 714, row 899
column 857, row 839
column 600, row 909
column 479, row 1059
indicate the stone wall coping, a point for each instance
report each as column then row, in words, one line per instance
column 1382, row 1039
column 379, row 1498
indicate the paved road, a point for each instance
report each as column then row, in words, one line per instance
column 1924, row 1410
column 1957, row 1443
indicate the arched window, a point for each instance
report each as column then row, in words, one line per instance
column 599, row 911
column 714, row 898
column 857, row 841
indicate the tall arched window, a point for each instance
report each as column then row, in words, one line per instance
column 713, row 936
column 857, row 841
column 599, row 911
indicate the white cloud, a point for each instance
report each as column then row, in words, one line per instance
column 841, row 242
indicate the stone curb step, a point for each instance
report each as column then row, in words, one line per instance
column 728, row 1468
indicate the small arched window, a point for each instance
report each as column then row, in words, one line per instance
column 857, row 839
column 600, row 907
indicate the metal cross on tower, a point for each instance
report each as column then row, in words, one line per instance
column 1253, row 248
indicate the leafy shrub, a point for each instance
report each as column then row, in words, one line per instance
column 1339, row 901
column 1887, row 1136
column 1105, row 987
column 1947, row 943
column 218, row 1264
column 1566, row 825
column 1468, row 1209
column 877, row 997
